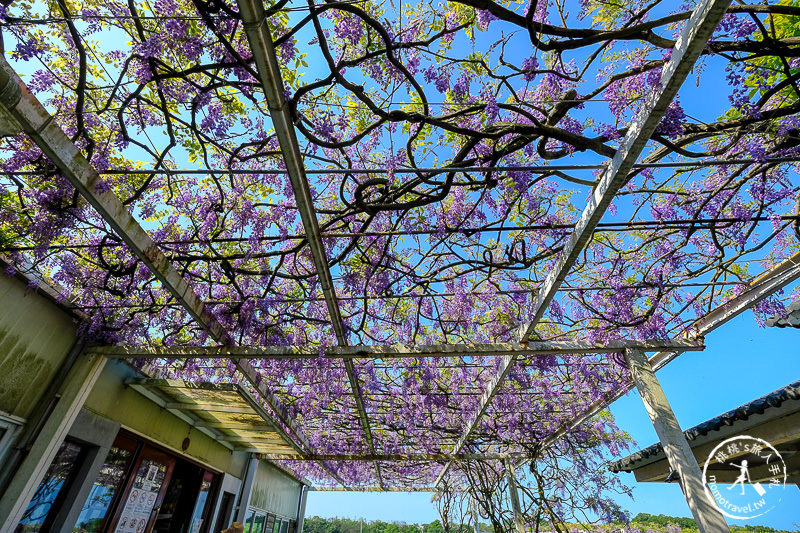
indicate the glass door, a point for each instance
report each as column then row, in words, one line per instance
column 144, row 493
column 201, row 512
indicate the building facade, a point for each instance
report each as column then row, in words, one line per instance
column 88, row 445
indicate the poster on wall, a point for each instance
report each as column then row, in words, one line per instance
column 142, row 497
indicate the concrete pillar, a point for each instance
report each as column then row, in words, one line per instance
column 679, row 454
column 301, row 509
column 99, row 433
column 476, row 516
column 519, row 522
column 247, row 488
column 72, row 394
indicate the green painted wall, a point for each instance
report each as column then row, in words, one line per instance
column 111, row 399
column 35, row 337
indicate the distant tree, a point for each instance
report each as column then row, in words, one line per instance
column 316, row 524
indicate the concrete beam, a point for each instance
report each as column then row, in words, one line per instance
column 476, row 517
column 511, row 477
column 705, row 512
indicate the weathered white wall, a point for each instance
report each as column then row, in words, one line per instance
column 274, row 492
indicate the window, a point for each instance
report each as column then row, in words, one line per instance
column 46, row 497
column 258, row 523
column 8, row 429
column 105, row 487
column 248, row 521
column 269, row 524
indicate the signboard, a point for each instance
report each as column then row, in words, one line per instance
column 141, row 499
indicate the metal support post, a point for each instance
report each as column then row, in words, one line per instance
column 247, row 487
column 705, row 512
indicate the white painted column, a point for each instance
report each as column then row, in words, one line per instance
column 247, row 488
column 512, row 491
column 301, row 509
column 72, row 395
column 476, row 516
column 679, row 454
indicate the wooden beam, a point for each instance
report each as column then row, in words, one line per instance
column 399, row 457
column 705, row 512
column 690, row 44
column 236, row 426
column 211, row 407
column 297, row 438
column 373, row 489
column 39, row 125
column 278, row 444
column 173, row 384
column 17, row 102
column 398, row 351
column 761, row 287
column 156, row 396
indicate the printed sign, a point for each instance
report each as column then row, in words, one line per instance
column 142, row 498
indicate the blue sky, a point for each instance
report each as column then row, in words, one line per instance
column 742, row 361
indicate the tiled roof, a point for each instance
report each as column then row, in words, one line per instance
column 743, row 412
column 791, row 320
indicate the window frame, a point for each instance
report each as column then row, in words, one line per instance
column 11, row 425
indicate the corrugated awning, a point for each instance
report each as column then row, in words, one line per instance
column 224, row 411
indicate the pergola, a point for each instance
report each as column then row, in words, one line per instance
column 391, row 321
